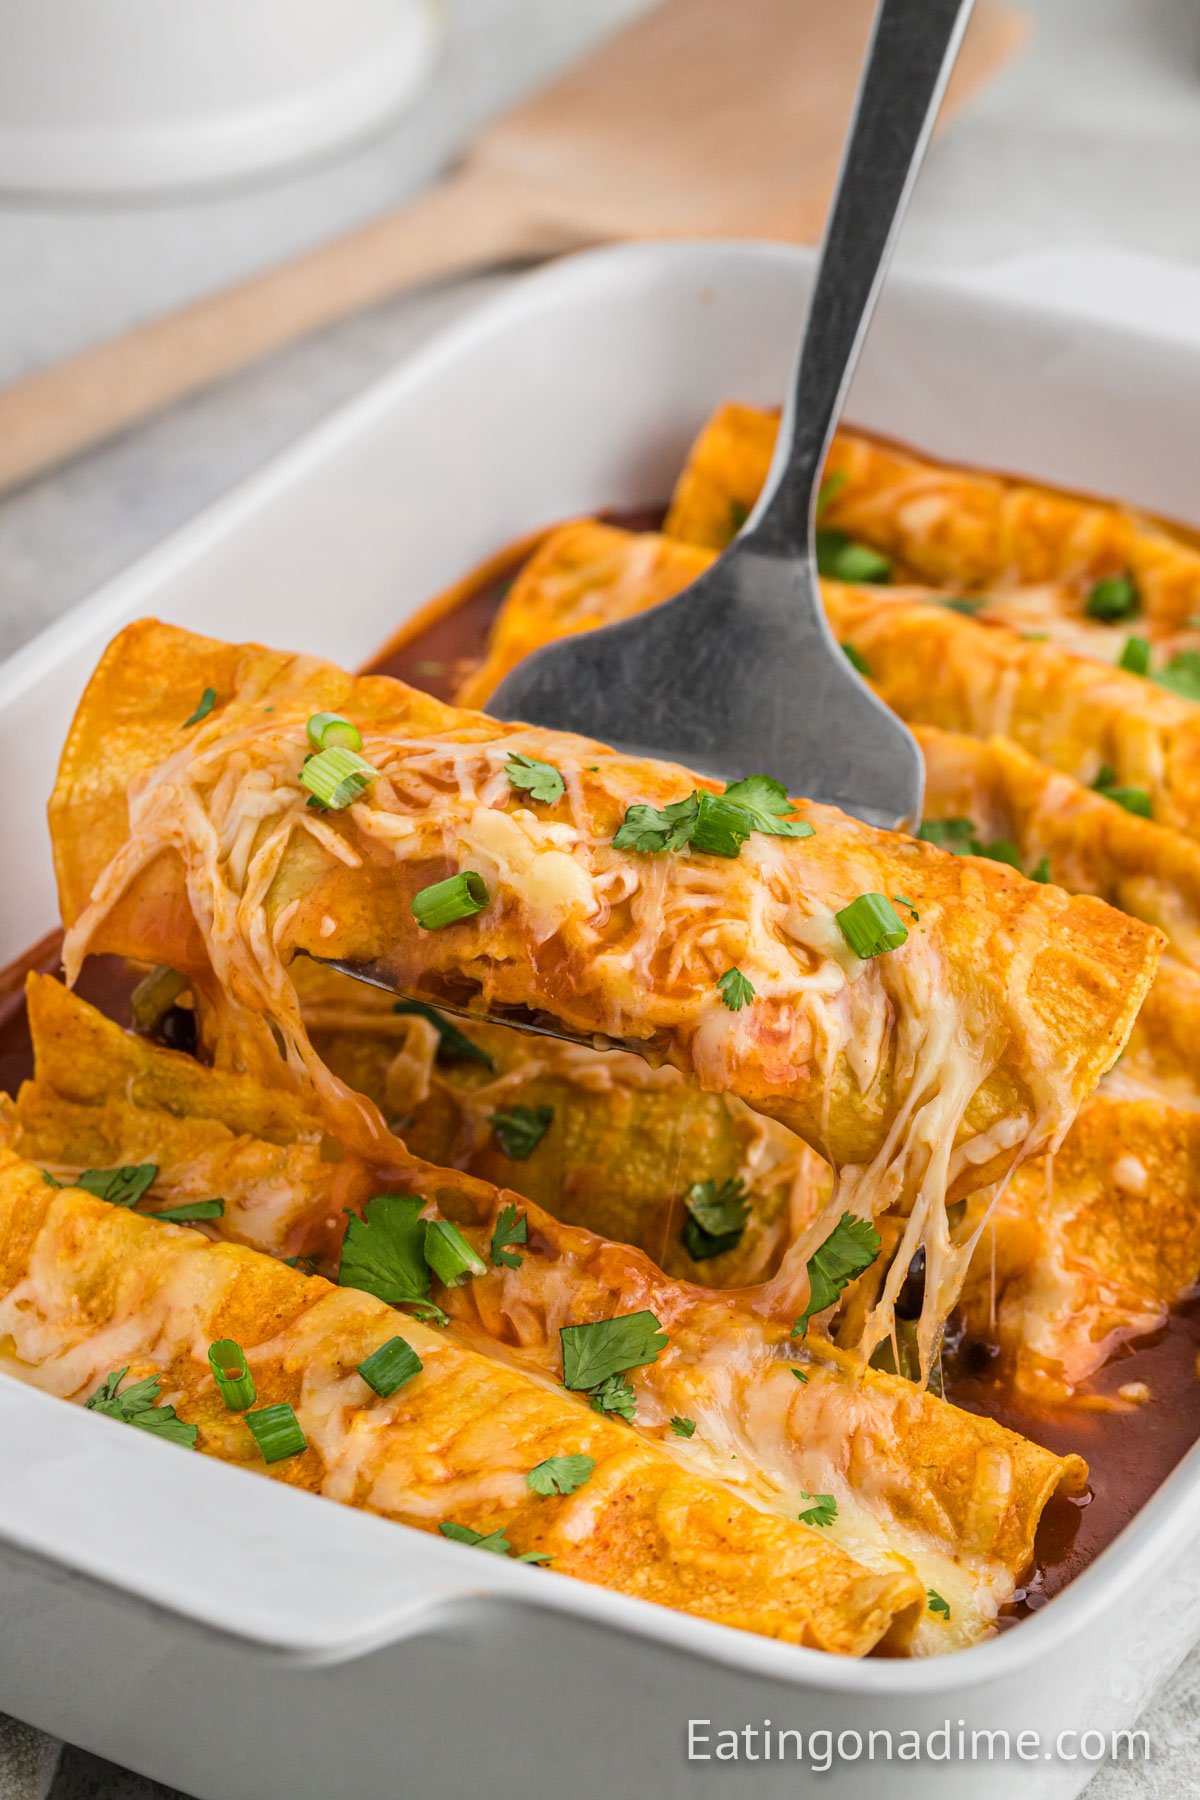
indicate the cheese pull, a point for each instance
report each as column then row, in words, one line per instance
column 920, row 1072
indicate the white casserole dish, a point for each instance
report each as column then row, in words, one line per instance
column 235, row 1637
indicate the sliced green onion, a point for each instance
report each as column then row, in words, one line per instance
column 449, row 1254
column 829, row 490
column 1135, row 657
column 1182, row 675
column 276, row 1431
column 871, row 925
column 336, row 777
column 446, row 902
column 389, row 1367
column 190, row 1210
column 1113, row 599
column 329, row 731
column 231, row 1372
column 155, row 995
column 840, row 558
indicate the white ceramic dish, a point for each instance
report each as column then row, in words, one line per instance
column 234, row 1637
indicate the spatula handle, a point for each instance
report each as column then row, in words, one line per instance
column 909, row 59
column 470, row 221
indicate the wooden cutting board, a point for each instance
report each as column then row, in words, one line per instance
column 704, row 118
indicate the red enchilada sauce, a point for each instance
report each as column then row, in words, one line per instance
column 1130, row 1448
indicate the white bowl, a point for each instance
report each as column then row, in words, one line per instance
column 235, row 1637
column 102, row 96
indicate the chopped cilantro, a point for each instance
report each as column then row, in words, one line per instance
column 495, row 1541
column 592, row 1353
column 560, row 1474
column 511, row 1228
column 851, row 1247
column 123, row 1187
column 683, row 1427
column 857, row 661
column 1135, row 800
column 735, row 989
column 739, row 512
column 822, row 1512
column 713, row 824
column 383, row 1253
column 716, row 1218
column 521, row 1129
column 453, row 1045
column 903, row 900
column 966, row 604
column 541, row 780
column 800, row 1376
column 615, row 1395
column 937, row 1604
column 139, row 1405
column 948, row 834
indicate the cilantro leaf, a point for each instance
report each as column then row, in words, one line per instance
column 851, row 1247
column 123, row 1187
column 1135, row 800
column 713, row 824
column 903, row 900
column 138, row 1405
column 208, row 700
column 960, row 837
column 716, row 1218
column 650, row 832
column 495, row 1541
column 453, row 1045
column 735, row 989
column 521, row 1129
column 800, row 1376
column 683, row 1427
column 560, row 1474
column 823, row 1512
column 593, row 1353
column 541, row 780
column 966, row 604
column 383, row 1253
column 948, row 834
column 766, row 802
column 511, row 1228
column 937, row 1604
column 615, row 1395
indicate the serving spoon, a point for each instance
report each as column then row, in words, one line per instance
column 740, row 673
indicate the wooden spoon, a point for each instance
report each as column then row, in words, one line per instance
column 700, row 119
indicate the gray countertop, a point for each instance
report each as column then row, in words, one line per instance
column 1090, row 138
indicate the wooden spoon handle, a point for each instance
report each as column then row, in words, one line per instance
column 470, row 221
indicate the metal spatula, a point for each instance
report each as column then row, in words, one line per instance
column 740, row 673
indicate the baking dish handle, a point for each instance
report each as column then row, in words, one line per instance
column 281, row 1571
